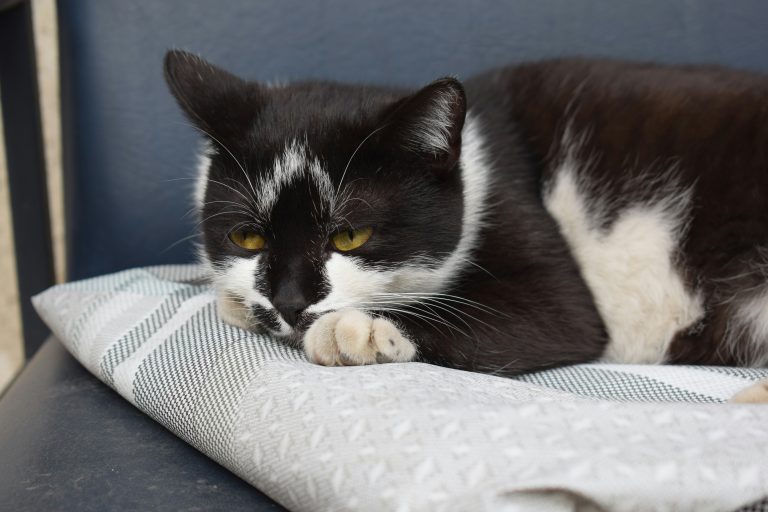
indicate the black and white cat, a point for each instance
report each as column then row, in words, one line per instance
column 539, row 215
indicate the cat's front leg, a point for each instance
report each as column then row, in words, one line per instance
column 352, row 337
column 234, row 312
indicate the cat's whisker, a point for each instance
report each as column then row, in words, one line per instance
column 441, row 320
column 425, row 318
column 430, row 306
column 356, row 199
column 180, row 241
column 497, row 371
column 463, row 300
column 454, row 311
column 198, row 209
column 480, row 267
column 450, row 298
column 343, row 174
column 457, row 311
column 224, row 212
column 240, row 165
column 251, row 195
column 183, row 178
column 248, row 201
column 224, row 202
column 239, row 225
column 450, row 309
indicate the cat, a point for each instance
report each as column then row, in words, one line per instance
column 539, row 215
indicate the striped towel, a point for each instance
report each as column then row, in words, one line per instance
column 413, row 436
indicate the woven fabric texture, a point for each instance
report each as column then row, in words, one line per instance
column 413, row 436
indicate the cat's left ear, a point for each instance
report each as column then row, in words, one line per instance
column 216, row 101
column 428, row 123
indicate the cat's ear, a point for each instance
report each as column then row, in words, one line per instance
column 428, row 123
column 216, row 101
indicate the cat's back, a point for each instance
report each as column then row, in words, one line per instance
column 657, row 177
column 646, row 110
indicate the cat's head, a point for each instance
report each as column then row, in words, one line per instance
column 319, row 196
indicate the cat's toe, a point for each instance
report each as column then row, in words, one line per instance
column 389, row 343
column 232, row 311
column 356, row 338
column 320, row 341
column 353, row 337
column 757, row 393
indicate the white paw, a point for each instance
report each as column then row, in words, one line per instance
column 757, row 393
column 351, row 337
column 234, row 312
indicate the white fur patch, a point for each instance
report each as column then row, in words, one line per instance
column 747, row 332
column 294, row 163
column 233, row 311
column 352, row 283
column 203, row 166
column 629, row 267
column 237, row 278
column 432, row 132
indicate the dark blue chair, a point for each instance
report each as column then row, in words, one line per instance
column 67, row 442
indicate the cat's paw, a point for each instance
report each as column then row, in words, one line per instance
column 757, row 393
column 351, row 337
column 234, row 312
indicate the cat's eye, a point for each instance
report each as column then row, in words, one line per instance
column 351, row 238
column 247, row 239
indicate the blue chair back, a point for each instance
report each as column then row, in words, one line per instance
column 129, row 155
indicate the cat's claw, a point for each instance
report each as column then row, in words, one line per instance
column 351, row 337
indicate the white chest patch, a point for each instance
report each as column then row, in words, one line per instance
column 628, row 266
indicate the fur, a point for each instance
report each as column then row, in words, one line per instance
column 534, row 216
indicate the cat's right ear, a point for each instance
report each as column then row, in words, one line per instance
column 215, row 101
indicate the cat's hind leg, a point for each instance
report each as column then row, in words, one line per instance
column 757, row 393
column 734, row 331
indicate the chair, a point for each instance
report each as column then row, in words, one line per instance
column 68, row 442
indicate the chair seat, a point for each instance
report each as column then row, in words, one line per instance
column 68, row 442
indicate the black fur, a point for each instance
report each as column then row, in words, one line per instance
column 537, row 310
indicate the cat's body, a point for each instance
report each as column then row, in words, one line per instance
column 555, row 213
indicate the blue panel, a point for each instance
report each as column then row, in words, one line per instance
column 126, row 137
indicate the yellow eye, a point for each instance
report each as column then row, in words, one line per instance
column 248, row 240
column 351, row 238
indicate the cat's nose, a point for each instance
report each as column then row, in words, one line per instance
column 290, row 312
column 289, row 302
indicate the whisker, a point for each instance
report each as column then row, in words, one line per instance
column 477, row 265
column 451, row 298
column 225, row 148
column 499, row 370
column 458, row 310
column 425, row 318
column 455, row 312
column 177, row 242
column 233, row 190
column 421, row 314
column 225, row 212
column 441, row 307
column 343, row 174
